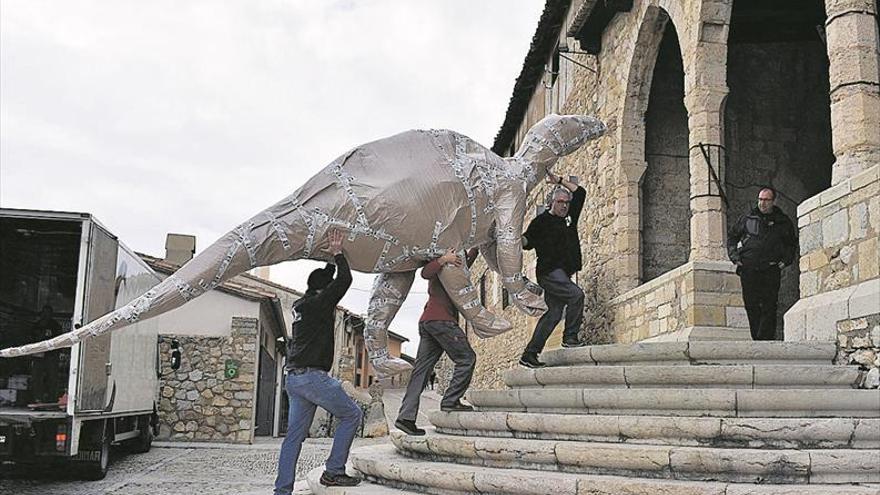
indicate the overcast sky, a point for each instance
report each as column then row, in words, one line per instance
column 191, row 116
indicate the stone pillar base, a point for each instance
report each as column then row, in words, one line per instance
column 816, row 317
column 700, row 300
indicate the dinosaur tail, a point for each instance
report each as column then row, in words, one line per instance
column 279, row 233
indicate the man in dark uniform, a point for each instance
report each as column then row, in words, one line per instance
column 554, row 236
column 761, row 243
column 309, row 358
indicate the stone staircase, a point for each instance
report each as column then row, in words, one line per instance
column 719, row 418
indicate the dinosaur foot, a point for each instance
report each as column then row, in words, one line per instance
column 387, row 367
column 487, row 324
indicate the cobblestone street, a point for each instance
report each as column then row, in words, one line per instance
column 194, row 469
column 178, row 469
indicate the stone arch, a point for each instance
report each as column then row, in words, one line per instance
column 665, row 185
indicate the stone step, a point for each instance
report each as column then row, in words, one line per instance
column 768, row 433
column 365, row 488
column 383, row 464
column 709, row 376
column 766, row 403
column 781, row 466
column 695, row 353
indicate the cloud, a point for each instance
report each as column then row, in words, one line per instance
column 191, row 116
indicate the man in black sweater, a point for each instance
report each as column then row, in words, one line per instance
column 309, row 358
column 761, row 243
column 554, row 236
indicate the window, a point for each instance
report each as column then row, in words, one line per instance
column 483, row 290
column 554, row 66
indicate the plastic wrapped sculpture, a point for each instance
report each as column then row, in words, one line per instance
column 401, row 201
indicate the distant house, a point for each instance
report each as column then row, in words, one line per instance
column 229, row 387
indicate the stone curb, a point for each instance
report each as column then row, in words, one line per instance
column 695, row 353
column 706, row 376
column 815, row 433
column 743, row 465
column 385, row 464
column 806, row 403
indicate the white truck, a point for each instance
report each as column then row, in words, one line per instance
column 59, row 270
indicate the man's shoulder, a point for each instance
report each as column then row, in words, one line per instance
column 539, row 219
column 781, row 216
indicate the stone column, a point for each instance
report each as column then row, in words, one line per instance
column 854, row 75
column 628, row 226
column 707, row 211
column 705, row 91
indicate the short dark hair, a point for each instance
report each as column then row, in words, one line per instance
column 321, row 277
column 768, row 188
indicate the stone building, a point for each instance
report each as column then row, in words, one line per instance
column 707, row 101
column 231, row 341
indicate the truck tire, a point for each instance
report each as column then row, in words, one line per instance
column 100, row 438
column 142, row 444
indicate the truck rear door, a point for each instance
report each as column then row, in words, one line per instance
column 100, row 299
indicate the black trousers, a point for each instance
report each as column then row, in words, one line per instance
column 760, row 291
column 559, row 293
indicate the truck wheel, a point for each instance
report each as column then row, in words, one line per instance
column 97, row 469
column 144, row 441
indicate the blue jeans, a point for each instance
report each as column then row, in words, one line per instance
column 307, row 391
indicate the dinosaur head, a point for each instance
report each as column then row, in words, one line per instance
column 555, row 136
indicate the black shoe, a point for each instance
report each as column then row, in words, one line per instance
column 530, row 360
column 328, row 479
column 457, row 407
column 408, row 427
column 573, row 343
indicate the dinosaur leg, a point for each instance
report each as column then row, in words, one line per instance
column 389, row 292
column 457, row 282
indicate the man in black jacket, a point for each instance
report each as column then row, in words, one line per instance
column 761, row 243
column 309, row 358
column 554, row 236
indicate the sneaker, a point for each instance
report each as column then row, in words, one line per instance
column 457, row 407
column 573, row 343
column 343, row 479
column 530, row 360
column 408, row 427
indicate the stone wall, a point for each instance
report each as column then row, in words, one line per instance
column 858, row 342
column 839, row 260
column 198, row 402
column 839, row 229
column 696, row 301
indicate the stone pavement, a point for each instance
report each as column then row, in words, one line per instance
column 193, row 468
